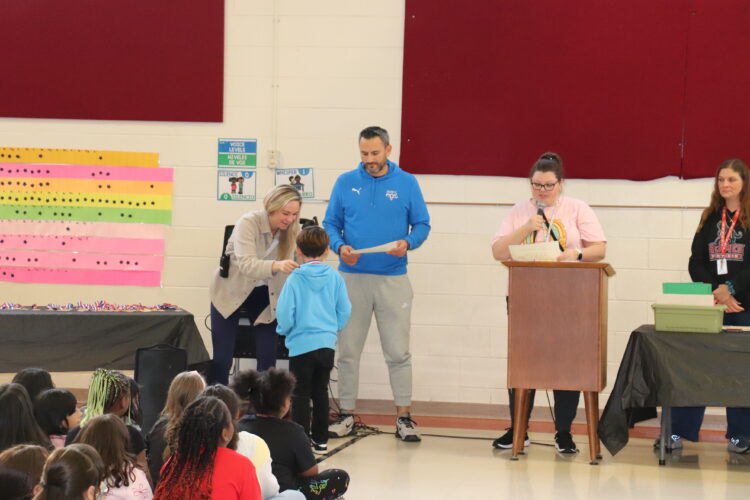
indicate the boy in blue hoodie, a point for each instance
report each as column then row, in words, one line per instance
column 312, row 308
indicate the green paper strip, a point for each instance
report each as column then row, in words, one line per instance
column 686, row 288
column 94, row 214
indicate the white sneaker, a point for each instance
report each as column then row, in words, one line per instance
column 342, row 426
column 406, row 429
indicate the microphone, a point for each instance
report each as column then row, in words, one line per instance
column 540, row 206
column 540, row 211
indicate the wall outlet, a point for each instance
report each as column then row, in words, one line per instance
column 273, row 158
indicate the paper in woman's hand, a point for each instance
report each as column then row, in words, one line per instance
column 547, row 251
column 385, row 247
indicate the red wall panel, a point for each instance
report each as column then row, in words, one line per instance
column 489, row 86
column 135, row 60
column 717, row 122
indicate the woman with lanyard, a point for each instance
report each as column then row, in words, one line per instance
column 719, row 256
column 260, row 252
column 549, row 216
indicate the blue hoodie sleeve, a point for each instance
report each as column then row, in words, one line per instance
column 285, row 308
column 333, row 221
column 343, row 306
column 419, row 218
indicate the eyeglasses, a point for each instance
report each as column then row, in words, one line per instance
column 546, row 187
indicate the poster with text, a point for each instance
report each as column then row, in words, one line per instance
column 300, row 178
column 235, row 185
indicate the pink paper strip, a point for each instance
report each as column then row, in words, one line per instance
column 66, row 260
column 161, row 174
column 79, row 228
column 76, row 277
column 87, row 244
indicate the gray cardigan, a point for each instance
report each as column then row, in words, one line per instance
column 247, row 247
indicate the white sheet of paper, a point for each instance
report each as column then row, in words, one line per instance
column 535, row 252
column 385, row 247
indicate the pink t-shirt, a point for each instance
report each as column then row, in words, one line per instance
column 571, row 220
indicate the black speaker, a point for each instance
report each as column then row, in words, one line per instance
column 244, row 343
column 155, row 367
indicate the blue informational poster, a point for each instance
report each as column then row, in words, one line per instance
column 301, row 178
column 235, row 185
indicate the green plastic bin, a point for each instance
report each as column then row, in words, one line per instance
column 699, row 319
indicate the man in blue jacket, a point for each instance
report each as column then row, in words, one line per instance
column 375, row 204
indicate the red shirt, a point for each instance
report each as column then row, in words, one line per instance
column 234, row 477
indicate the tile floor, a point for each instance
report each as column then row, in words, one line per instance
column 382, row 467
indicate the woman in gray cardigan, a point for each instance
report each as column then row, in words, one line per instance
column 260, row 251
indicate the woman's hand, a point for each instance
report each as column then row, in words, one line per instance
column 568, row 254
column 535, row 223
column 285, row 266
column 721, row 294
column 733, row 306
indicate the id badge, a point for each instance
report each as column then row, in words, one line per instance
column 721, row 266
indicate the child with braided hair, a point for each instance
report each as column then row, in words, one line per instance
column 202, row 467
column 109, row 392
column 294, row 465
column 252, row 447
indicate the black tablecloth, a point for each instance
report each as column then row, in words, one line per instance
column 674, row 369
column 84, row 341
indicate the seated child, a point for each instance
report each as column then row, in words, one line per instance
column 108, row 435
column 202, row 466
column 109, row 392
column 183, row 390
column 70, row 473
column 26, row 458
column 294, row 465
column 35, row 380
column 56, row 411
column 313, row 307
column 17, row 423
column 252, row 447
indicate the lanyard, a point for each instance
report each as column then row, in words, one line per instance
column 311, row 262
column 725, row 235
column 548, row 225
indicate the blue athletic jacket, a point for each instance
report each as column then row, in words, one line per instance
column 367, row 211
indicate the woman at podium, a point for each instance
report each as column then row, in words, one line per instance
column 548, row 216
column 719, row 256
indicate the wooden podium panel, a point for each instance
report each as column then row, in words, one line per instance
column 557, row 333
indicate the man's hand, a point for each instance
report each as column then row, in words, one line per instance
column 347, row 257
column 401, row 247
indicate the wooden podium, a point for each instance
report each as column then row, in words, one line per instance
column 557, row 336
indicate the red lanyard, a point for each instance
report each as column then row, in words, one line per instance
column 724, row 236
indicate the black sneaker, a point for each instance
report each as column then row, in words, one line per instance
column 738, row 445
column 505, row 441
column 564, row 443
column 319, row 448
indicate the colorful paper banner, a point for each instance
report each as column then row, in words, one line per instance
column 79, row 157
column 79, row 277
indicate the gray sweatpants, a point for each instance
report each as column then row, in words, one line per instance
column 390, row 298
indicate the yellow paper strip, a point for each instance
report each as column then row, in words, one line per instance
column 68, row 199
column 79, row 157
column 63, row 185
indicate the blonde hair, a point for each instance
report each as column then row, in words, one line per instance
column 185, row 388
column 276, row 199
